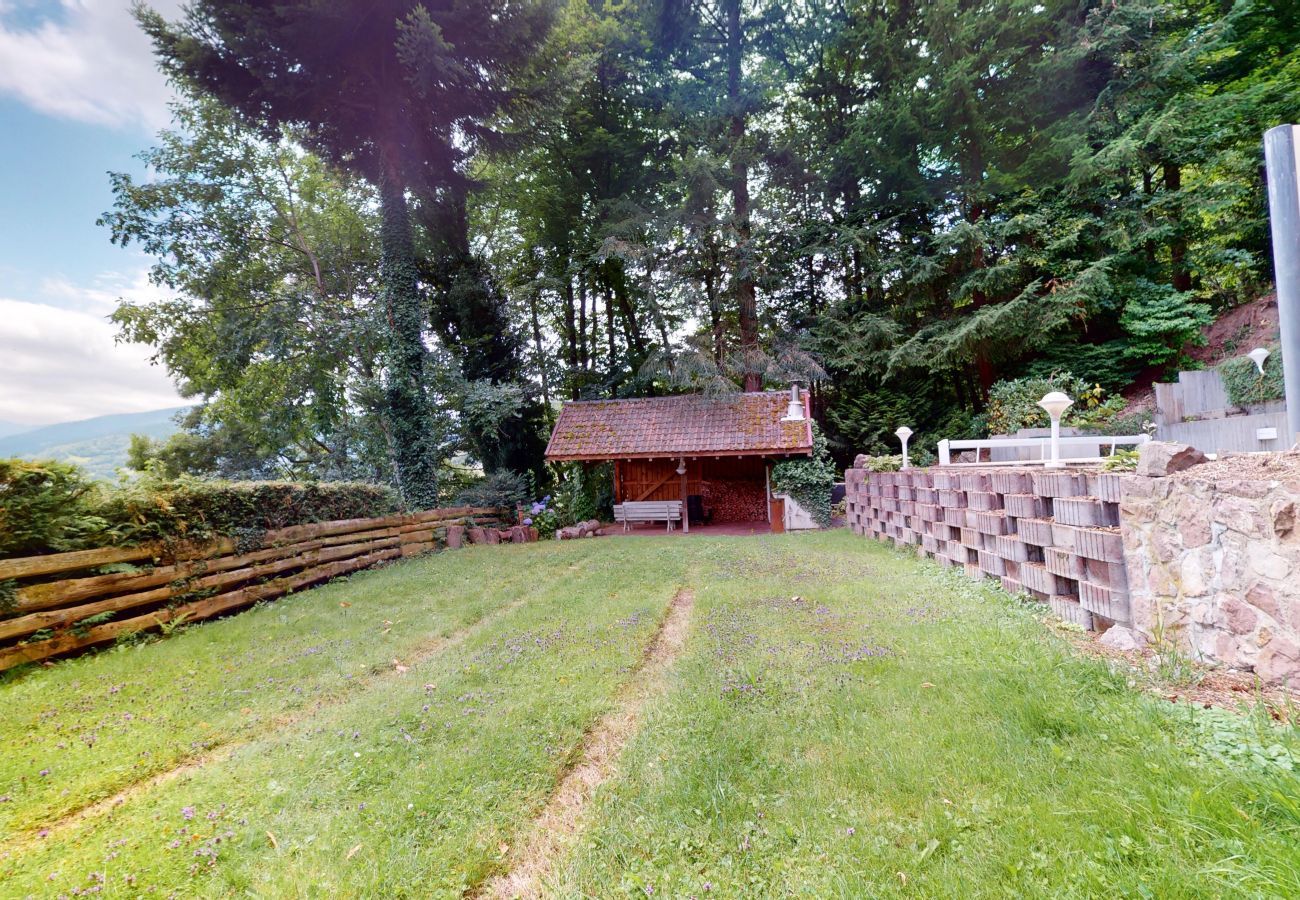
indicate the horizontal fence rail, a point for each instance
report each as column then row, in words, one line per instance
column 1043, row 445
column 60, row 603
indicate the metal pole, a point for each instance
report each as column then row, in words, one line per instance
column 1282, row 162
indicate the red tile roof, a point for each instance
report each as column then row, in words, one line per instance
column 691, row 425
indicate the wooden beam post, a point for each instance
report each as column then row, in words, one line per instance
column 686, row 506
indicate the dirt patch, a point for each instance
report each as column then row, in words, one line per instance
column 1235, row 333
column 564, row 814
column 1238, row 331
column 1282, row 466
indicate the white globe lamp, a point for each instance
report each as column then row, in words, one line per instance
column 903, row 434
column 1258, row 356
column 1055, row 405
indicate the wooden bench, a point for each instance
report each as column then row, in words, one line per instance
column 669, row 511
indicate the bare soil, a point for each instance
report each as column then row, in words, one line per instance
column 1282, row 466
column 564, row 814
column 1237, row 331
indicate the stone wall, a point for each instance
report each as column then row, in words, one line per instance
column 1214, row 559
column 1052, row 534
column 1205, row 561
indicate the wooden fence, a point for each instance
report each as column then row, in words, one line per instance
column 61, row 603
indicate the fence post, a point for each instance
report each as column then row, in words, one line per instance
column 943, row 452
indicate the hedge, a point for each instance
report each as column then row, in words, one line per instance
column 1246, row 387
column 50, row 507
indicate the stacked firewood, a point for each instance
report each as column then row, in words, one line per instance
column 589, row 528
column 735, row 501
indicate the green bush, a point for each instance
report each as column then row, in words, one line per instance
column 190, row 509
column 1244, row 384
column 883, row 463
column 501, row 489
column 1160, row 322
column 809, row 481
column 1013, row 404
column 47, row 506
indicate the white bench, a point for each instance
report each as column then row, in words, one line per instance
column 669, row 511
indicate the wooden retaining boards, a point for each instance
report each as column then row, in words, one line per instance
column 199, row 609
column 212, row 576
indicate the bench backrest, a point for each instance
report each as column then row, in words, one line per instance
column 648, row 509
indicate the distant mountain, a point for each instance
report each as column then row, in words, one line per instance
column 8, row 428
column 98, row 445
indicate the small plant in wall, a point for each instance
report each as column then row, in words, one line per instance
column 809, row 481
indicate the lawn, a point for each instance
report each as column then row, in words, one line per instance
column 839, row 720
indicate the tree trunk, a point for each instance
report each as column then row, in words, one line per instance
column 746, row 297
column 415, row 459
column 583, row 351
column 537, row 346
column 1181, row 275
column 571, row 336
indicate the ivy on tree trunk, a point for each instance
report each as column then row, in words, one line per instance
column 408, row 411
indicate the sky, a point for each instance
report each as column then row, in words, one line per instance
column 79, row 97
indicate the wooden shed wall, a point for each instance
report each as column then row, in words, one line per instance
column 733, row 487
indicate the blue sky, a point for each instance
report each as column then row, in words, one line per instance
column 79, row 96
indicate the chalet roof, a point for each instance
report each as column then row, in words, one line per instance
column 746, row 424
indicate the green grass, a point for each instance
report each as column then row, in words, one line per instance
column 893, row 731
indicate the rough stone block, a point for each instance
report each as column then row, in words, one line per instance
column 1068, row 608
column 1011, row 586
column 1085, row 512
column 974, row 481
column 983, row 500
column 955, row 516
column 1027, row 506
column 1159, row 458
column 1063, row 562
column 927, row 495
column 972, row 538
column 974, row 572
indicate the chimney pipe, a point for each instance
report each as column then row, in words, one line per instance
column 794, row 412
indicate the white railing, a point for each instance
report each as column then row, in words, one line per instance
column 1043, row 445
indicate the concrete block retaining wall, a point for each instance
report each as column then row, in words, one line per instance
column 1052, row 534
column 1205, row 561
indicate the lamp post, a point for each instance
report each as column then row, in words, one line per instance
column 1056, row 404
column 903, row 434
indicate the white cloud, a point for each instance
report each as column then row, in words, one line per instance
column 90, row 62
column 59, row 364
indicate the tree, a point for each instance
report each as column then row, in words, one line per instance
column 268, row 255
column 395, row 91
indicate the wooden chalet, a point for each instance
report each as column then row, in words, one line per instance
column 715, row 454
